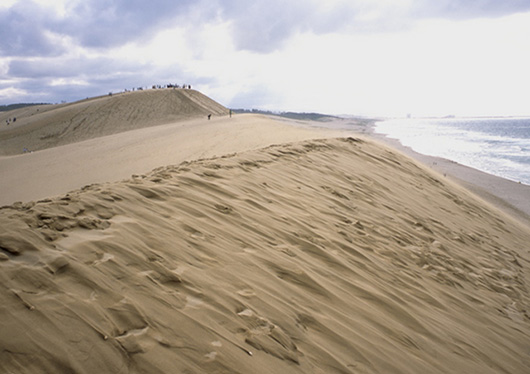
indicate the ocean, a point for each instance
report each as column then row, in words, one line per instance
column 498, row 146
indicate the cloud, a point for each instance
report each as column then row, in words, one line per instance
column 11, row 92
column 468, row 9
column 70, row 67
column 104, row 24
column 70, row 78
column 25, row 31
column 260, row 25
column 28, row 27
column 260, row 53
column 263, row 26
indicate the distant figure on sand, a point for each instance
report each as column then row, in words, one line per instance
column 209, row 116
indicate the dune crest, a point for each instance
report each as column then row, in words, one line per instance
column 48, row 126
column 325, row 256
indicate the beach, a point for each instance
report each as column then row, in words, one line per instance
column 511, row 197
column 247, row 243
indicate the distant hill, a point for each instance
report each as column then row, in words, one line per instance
column 44, row 126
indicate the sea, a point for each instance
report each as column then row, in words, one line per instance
column 498, row 146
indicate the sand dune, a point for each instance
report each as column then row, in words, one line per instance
column 265, row 248
column 49, row 126
column 113, row 137
column 322, row 256
column 58, row 170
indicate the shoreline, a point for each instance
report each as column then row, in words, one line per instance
column 511, row 197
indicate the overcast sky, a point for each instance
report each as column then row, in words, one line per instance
column 365, row 57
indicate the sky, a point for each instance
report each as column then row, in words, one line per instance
column 359, row 57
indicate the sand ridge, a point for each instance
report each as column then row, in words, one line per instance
column 48, row 126
column 58, row 170
column 322, row 256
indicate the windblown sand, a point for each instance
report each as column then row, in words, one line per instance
column 114, row 146
column 318, row 256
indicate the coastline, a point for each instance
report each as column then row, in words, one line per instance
column 511, row 197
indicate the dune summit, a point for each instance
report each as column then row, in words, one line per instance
column 322, row 256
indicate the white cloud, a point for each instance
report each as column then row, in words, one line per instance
column 439, row 67
column 68, row 82
column 5, row 4
column 4, row 68
column 337, row 56
column 61, row 8
column 12, row 92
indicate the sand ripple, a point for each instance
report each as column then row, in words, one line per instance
column 332, row 256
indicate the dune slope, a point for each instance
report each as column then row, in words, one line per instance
column 55, row 171
column 43, row 127
column 331, row 256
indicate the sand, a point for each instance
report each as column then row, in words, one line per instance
column 332, row 255
column 510, row 196
column 50, row 126
column 53, row 171
column 99, row 140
